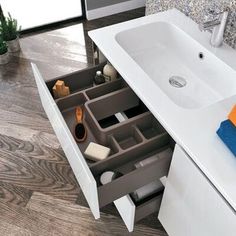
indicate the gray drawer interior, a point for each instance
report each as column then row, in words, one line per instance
column 133, row 139
column 148, row 206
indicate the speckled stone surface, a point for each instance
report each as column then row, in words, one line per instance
column 197, row 10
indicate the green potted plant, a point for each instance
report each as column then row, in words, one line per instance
column 10, row 32
column 4, row 57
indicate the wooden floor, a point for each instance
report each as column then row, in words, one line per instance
column 38, row 191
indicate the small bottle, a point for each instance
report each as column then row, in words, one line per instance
column 147, row 190
column 99, row 78
column 109, row 72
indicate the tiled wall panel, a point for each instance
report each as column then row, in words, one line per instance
column 197, row 10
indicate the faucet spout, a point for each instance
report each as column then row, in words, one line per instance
column 217, row 37
column 208, row 25
column 218, row 27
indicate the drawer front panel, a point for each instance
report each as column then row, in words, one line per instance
column 191, row 206
column 72, row 152
column 126, row 208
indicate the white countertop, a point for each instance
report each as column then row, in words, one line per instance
column 194, row 130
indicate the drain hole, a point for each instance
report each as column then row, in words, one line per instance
column 177, row 81
column 201, row 55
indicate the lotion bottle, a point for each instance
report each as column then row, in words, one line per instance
column 109, row 71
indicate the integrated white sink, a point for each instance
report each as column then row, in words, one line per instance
column 189, row 74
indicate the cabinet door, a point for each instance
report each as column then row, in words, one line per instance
column 191, row 206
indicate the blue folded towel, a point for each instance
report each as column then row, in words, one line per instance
column 227, row 133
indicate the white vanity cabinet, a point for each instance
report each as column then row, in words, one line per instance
column 191, row 206
column 200, row 194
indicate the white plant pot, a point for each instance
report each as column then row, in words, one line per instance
column 4, row 58
column 13, row 45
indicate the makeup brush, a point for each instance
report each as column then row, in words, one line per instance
column 80, row 130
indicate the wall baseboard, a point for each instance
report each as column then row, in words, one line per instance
column 113, row 9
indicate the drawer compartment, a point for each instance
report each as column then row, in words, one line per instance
column 123, row 102
column 150, row 128
column 77, row 81
column 107, row 88
column 135, row 138
column 67, row 108
column 132, row 212
column 128, row 138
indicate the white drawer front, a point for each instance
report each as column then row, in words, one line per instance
column 191, row 206
column 126, row 208
column 73, row 154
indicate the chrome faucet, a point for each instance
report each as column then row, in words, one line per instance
column 217, row 25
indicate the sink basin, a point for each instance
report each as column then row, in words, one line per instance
column 188, row 73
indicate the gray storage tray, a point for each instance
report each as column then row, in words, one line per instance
column 67, row 107
column 111, row 104
column 105, row 89
column 77, row 81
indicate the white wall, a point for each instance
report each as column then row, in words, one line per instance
column 96, row 9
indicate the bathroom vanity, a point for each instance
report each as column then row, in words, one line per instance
column 175, row 89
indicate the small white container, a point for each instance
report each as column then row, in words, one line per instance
column 13, row 45
column 110, row 71
column 4, row 58
column 147, row 161
column 107, row 177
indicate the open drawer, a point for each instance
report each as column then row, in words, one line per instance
column 133, row 210
column 132, row 213
column 131, row 139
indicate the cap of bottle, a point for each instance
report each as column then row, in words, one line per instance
column 107, row 177
column 98, row 73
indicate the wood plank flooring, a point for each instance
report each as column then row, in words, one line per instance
column 45, row 215
column 38, row 191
